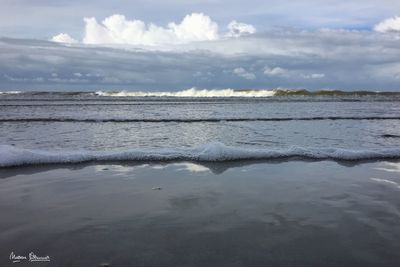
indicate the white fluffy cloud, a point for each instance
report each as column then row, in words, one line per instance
column 195, row 27
column 63, row 38
column 237, row 29
column 117, row 29
column 277, row 71
column 241, row 72
column 388, row 25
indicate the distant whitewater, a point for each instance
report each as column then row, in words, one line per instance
column 227, row 93
column 10, row 92
column 291, row 94
column 193, row 93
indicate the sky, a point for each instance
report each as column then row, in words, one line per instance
column 174, row 45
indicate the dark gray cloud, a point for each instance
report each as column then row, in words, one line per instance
column 292, row 59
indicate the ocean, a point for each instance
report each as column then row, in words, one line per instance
column 197, row 125
column 200, row 178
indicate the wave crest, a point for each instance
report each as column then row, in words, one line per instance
column 213, row 152
column 287, row 94
column 10, row 92
column 192, row 92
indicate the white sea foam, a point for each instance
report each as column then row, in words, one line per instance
column 193, row 92
column 10, row 92
column 385, row 181
column 214, row 152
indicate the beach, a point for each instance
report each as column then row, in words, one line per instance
column 200, row 133
column 247, row 213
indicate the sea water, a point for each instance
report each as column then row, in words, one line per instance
column 197, row 125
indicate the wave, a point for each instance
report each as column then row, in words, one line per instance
column 184, row 120
column 293, row 94
column 213, row 152
column 10, row 92
column 192, row 93
column 334, row 93
column 204, row 93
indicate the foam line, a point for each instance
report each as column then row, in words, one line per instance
column 213, row 152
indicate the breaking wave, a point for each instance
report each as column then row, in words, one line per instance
column 213, row 152
column 10, row 93
column 204, row 93
column 288, row 94
column 193, row 93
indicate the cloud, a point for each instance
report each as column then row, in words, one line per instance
column 23, row 79
column 277, row 71
column 117, row 29
column 237, row 29
column 388, row 25
column 278, row 58
column 195, row 27
column 46, row 17
column 314, row 76
column 63, row 38
column 241, row 72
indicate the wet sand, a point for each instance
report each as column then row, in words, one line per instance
column 291, row 213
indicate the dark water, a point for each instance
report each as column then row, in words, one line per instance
column 275, row 214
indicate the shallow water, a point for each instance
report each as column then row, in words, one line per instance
column 263, row 214
column 60, row 122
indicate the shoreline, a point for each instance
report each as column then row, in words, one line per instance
column 215, row 167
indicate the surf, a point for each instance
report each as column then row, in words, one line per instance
column 213, row 152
